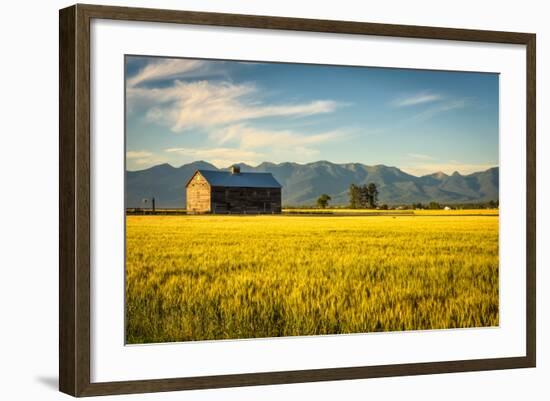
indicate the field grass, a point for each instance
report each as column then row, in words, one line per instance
column 423, row 212
column 225, row 277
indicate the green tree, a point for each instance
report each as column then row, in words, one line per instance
column 373, row 195
column 364, row 196
column 354, row 196
column 434, row 205
column 322, row 202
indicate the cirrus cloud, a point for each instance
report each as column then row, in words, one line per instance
column 221, row 112
column 206, row 104
column 252, row 138
column 166, row 69
column 132, row 154
column 251, row 145
column 418, row 98
column 220, row 157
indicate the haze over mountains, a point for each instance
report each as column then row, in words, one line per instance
column 304, row 183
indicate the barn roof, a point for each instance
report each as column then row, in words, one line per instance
column 243, row 180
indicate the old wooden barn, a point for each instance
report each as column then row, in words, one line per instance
column 233, row 192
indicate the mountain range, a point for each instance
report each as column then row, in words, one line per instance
column 304, row 183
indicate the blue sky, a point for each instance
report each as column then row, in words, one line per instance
column 224, row 112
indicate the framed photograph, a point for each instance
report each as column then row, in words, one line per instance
column 250, row 200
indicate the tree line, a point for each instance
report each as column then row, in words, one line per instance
column 363, row 196
column 492, row 204
column 360, row 197
column 366, row 196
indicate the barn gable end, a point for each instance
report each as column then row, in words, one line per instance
column 198, row 193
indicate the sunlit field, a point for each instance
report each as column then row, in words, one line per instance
column 226, row 277
column 416, row 212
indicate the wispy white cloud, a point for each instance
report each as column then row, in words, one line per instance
column 419, row 156
column 214, row 152
column 433, row 103
column 223, row 112
column 141, row 159
column 252, row 138
column 166, row 69
column 246, row 144
column 441, row 108
column 220, row 157
column 418, row 98
column 138, row 154
column 205, row 104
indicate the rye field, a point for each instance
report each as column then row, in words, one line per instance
column 228, row 277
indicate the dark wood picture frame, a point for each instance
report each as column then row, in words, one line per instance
column 74, row 200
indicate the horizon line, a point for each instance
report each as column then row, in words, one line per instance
column 318, row 161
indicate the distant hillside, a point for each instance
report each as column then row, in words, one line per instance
column 303, row 183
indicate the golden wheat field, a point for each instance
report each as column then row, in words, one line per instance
column 416, row 212
column 226, row 277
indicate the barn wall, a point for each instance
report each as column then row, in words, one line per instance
column 198, row 195
column 246, row 200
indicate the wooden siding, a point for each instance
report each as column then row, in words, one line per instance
column 198, row 195
column 246, row 200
